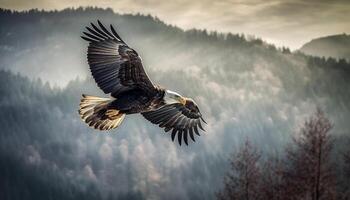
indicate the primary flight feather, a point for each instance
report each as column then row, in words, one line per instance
column 118, row 71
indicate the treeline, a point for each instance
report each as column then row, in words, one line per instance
column 306, row 171
column 8, row 17
column 54, row 38
column 329, row 62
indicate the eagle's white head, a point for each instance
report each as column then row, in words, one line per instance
column 171, row 97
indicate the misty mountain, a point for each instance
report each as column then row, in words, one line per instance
column 245, row 88
column 336, row 46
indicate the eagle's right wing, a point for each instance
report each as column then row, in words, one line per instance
column 179, row 118
column 114, row 65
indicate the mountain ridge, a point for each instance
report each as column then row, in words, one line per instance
column 336, row 46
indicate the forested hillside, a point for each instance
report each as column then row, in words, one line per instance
column 245, row 88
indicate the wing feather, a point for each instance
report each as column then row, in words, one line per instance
column 105, row 30
column 179, row 136
column 116, row 34
column 96, row 33
column 88, row 39
column 185, row 136
column 99, row 31
column 200, row 124
column 173, row 134
column 191, row 134
column 196, row 130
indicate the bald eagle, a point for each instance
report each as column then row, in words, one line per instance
column 118, row 71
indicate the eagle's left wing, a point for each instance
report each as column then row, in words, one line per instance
column 114, row 65
column 179, row 118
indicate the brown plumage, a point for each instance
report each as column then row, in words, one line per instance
column 118, row 71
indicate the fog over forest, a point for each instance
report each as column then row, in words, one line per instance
column 245, row 87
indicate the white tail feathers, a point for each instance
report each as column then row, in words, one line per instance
column 94, row 111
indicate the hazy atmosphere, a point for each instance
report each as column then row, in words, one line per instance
column 272, row 79
column 288, row 23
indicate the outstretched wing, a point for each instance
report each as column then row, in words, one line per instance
column 177, row 117
column 114, row 65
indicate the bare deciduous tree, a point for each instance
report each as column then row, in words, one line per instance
column 242, row 181
column 310, row 174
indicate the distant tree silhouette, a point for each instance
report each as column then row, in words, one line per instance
column 285, row 50
column 310, row 174
column 243, row 180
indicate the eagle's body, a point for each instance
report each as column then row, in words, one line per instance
column 118, row 71
column 137, row 101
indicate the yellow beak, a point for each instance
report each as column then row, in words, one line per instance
column 182, row 100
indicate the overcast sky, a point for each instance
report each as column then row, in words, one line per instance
column 282, row 22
